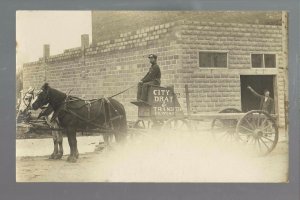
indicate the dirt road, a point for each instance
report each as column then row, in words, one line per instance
column 152, row 158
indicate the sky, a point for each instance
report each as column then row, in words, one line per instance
column 60, row 29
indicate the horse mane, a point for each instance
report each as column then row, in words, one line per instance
column 47, row 87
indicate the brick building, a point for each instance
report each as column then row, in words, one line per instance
column 216, row 59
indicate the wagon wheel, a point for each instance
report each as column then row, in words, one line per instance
column 177, row 124
column 141, row 128
column 145, row 124
column 258, row 130
column 224, row 129
column 139, row 124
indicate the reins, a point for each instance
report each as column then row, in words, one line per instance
column 121, row 92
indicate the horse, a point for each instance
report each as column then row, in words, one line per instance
column 24, row 114
column 74, row 114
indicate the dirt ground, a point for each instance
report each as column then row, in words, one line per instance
column 152, row 157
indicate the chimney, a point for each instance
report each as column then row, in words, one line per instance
column 46, row 53
column 84, row 41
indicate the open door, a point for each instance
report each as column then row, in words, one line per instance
column 259, row 83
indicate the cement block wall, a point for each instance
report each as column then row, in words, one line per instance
column 216, row 89
column 114, row 65
column 107, row 25
column 109, row 67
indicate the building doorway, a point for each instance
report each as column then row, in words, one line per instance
column 259, row 83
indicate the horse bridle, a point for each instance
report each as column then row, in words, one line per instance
column 47, row 98
column 24, row 100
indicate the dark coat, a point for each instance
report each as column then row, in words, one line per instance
column 269, row 104
column 153, row 74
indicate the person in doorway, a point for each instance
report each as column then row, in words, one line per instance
column 266, row 102
column 151, row 78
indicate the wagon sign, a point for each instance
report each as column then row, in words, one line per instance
column 162, row 103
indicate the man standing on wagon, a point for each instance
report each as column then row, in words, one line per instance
column 151, row 78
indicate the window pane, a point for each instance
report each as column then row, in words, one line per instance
column 270, row 60
column 257, row 60
column 205, row 60
column 212, row 59
column 221, row 60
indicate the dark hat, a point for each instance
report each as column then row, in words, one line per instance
column 152, row 56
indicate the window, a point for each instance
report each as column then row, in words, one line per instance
column 263, row 60
column 213, row 60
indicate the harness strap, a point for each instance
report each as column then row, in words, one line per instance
column 64, row 105
column 56, row 113
column 83, row 119
column 89, row 104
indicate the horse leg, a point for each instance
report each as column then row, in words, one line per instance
column 55, row 143
column 76, row 153
column 70, row 144
column 58, row 134
column 106, row 139
column 121, row 130
column 60, row 143
column 73, row 144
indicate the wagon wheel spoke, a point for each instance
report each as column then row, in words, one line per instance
column 249, row 123
column 265, row 144
column 267, row 138
column 249, row 140
column 247, row 129
column 222, row 132
column 259, row 146
column 176, row 124
column 223, row 129
column 266, row 127
column 263, row 122
column 258, row 120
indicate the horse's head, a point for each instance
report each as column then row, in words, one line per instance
column 25, row 102
column 42, row 97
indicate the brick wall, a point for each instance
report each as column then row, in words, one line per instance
column 114, row 65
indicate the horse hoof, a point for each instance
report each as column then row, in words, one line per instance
column 51, row 157
column 71, row 159
column 57, row 157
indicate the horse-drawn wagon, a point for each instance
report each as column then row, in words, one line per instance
column 255, row 128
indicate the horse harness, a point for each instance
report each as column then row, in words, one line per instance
column 88, row 104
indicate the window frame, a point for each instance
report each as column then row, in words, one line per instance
column 213, row 51
column 263, row 61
